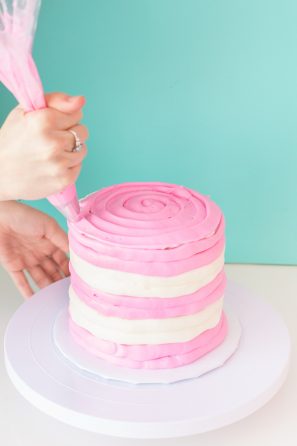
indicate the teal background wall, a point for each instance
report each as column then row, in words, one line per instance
column 200, row 93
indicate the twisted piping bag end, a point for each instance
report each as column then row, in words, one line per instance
column 67, row 203
column 72, row 211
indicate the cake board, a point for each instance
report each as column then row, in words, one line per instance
column 243, row 384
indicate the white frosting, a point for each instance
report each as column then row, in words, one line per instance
column 139, row 285
column 144, row 331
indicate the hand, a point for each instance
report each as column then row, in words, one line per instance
column 33, row 241
column 36, row 158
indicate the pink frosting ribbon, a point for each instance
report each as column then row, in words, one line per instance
column 148, row 228
column 151, row 356
column 155, row 229
column 130, row 307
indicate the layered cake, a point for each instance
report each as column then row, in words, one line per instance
column 147, row 275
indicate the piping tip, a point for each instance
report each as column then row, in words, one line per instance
column 71, row 211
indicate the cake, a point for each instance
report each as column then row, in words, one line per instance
column 147, row 275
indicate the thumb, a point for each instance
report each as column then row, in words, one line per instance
column 64, row 103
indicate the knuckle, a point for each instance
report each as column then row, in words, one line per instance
column 39, row 120
column 32, row 120
column 44, row 119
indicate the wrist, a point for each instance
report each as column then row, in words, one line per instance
column 6, row 177
column 5, row 195
column 6, row 205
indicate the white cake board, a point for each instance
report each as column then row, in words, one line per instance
column 244, row 383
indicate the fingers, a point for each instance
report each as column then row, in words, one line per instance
column 40, row 277
column 62, row 261
column 64, row 103
column 64, row 110
column 51, row 127
column 21, row 283
column 49, row 270
column 67, row 143
column 51, row 119
column 57, row 149
column 81, row 132
column 75, row 158
column 56, row 265
column 56, row 245
column 56, row 238
column 52, row 269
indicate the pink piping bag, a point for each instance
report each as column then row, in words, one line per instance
column 18, row 72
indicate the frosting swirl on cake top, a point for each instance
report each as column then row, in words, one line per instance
column 148, row 228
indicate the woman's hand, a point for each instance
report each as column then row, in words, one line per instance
column 36, row 158
column 31, row 240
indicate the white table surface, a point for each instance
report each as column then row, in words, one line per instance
column 274, row 424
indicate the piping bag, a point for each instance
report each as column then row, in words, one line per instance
column 18, row 72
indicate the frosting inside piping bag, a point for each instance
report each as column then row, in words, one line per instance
column 18, row 72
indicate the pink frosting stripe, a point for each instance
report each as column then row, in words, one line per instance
column 151, row 356
column 154, row 268
column 130, row 307
column 132, row 253
column 148, row 228
column 154, row 229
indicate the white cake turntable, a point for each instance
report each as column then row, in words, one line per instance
column 224, row 386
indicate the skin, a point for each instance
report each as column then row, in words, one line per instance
column 33, row 241
column 35, row 164
column 36, row 157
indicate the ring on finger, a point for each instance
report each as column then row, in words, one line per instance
column 78, row 143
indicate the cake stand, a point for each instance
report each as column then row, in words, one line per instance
column 243, row 384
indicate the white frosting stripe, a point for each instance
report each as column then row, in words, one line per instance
column 145, row 331
column 138, row 285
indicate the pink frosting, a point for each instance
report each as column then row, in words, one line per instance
column 154, row 229
column 18, row 71
column 148, row 228
column 130, row 307
column 19, row 74
column 160, row 356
